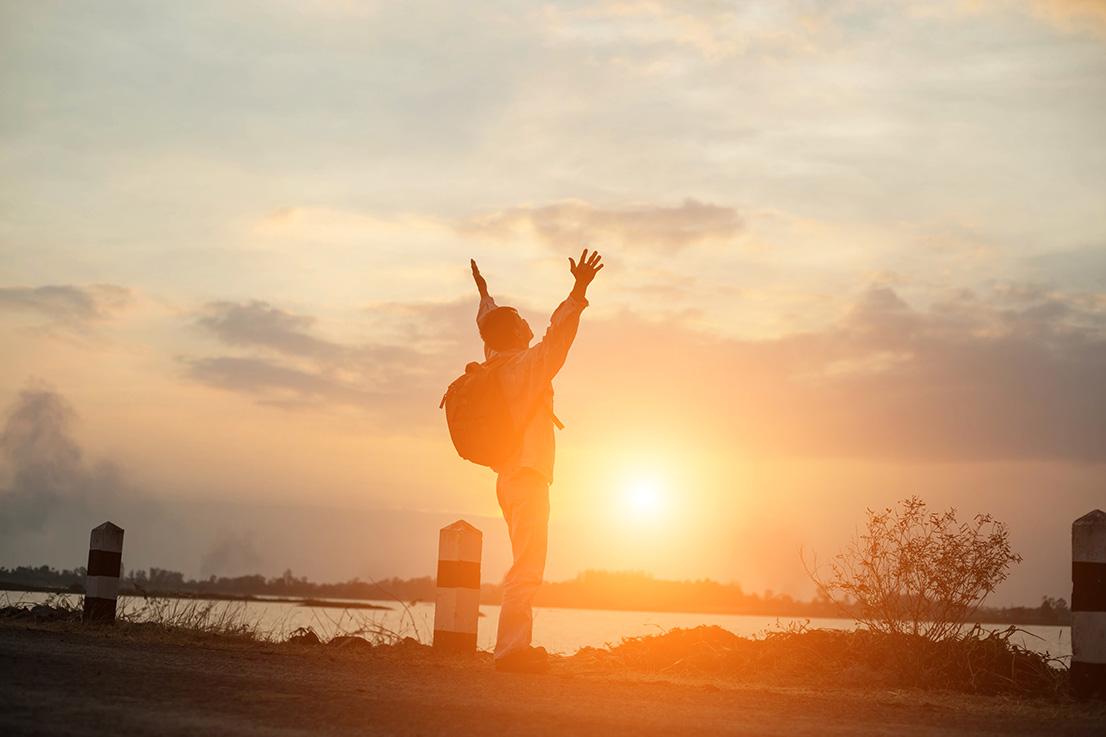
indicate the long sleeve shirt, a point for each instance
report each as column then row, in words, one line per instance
column 526, row 378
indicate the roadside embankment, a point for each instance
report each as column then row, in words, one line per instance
column 137, row 679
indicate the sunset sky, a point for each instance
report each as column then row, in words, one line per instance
column 855, row 251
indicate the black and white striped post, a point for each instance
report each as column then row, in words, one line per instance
column 105, row 558
column 457, row 603
column 1088, row 605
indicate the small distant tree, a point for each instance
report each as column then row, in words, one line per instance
column 918, row 572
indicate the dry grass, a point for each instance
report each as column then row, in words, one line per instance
column 166, row 618
column 353, row 622
column 979, row 661
column 150, row 618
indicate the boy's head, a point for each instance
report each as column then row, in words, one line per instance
column 503, row 329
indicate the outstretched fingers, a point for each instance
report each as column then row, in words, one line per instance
column 587, row 267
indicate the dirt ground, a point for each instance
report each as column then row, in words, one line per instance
column 80, row 682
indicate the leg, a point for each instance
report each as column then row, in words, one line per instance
column 524, row 499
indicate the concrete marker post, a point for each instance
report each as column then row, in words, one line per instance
column 457, row 601
column 105, row 558
column 1088, row 605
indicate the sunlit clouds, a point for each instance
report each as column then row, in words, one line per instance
column 563, row 225
column 855, row 251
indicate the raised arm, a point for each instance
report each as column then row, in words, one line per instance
column 487, row 304
column 481, row 282
column 553, row 349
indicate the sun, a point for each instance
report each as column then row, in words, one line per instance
column 644, row 498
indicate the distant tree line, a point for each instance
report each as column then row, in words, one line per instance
column 160, row 581
column 623, row 590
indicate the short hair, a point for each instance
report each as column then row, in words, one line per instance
column 497, row 328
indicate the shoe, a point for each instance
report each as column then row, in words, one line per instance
column 530, row 660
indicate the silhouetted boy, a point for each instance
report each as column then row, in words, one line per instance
column 526, row 375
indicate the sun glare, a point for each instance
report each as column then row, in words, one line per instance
column 644, row 498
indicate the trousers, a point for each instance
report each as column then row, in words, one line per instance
column 523, row 496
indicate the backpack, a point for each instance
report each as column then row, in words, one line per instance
column 479, row 417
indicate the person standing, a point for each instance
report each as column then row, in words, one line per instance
column 525, row 374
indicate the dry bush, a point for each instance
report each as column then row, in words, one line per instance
column 918, row 572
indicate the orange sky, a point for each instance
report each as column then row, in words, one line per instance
column 854, row 254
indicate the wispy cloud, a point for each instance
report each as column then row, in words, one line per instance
column 284, row 359
column 259, row 324
column 337, row 226
column 712, row 30
column 1073, row 15
column 1070, row 16
column 564, row 226
column 277, row 383
column 560, row 225
column 65, row 305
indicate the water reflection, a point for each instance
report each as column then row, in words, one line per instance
column 558, row 630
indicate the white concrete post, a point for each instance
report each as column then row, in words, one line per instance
column 1088, row 605
column 105, row 557
column 457, row 603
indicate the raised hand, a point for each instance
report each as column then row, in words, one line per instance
column 481, row 282
column 585, row 270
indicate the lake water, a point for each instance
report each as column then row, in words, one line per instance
column 558, row 630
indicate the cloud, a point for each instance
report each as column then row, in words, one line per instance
column 284, row 361
column 260, row 324
column 330, row 225
column 1073, row 15
column 559, row 225
column 717, row 31
column 1070, row 16
column 1014, row 372
column 569, row 224
column 66, row 305
column 276, row 383
column 712, row 30
column 1082, row 268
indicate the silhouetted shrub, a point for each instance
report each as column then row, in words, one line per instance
column 917, row 572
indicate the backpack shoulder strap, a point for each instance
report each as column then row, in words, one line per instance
column 495, row 362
